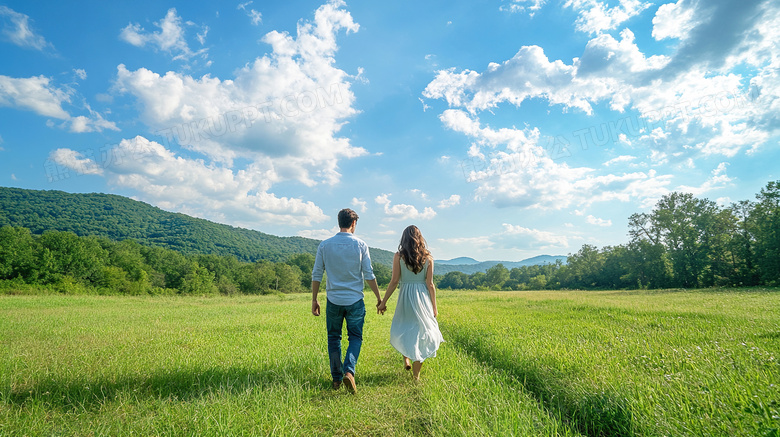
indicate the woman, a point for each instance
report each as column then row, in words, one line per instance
column 415, row 332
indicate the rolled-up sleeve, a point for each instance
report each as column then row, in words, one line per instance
column 319, row 266
column 368, row 271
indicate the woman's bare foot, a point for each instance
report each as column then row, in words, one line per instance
column 416, row 367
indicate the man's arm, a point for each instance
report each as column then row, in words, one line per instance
column 316, row 278
column 368, row 272
column 375, row 289
column 315, row 305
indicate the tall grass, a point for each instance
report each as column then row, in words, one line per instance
column 519, row 363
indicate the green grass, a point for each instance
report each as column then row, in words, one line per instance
column 536, row 363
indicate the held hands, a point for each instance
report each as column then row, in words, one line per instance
column 381, row 307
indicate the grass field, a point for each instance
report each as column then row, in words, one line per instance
column 676, row 363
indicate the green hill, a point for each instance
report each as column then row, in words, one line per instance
column 120, row 218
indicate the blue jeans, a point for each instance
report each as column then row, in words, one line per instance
column 335, row 315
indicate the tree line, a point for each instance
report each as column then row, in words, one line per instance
column 64, row 262
column 684, row 242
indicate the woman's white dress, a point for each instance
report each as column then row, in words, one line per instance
column 415, row 331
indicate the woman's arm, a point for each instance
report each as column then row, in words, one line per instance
column 431, row 287
column 393, row 282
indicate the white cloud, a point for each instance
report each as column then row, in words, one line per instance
column 285, row 108
column 170, row 37
column 15, row 27
column 519, row 237
column 359, row 204
column 420, row 193
column 201, row 36
column 402, row 211
column 673, row 20
column 598, row 221
column 718, row 179
column 96, row 123
column 80, row 73
column 35, row 94
column 686, row 98
column 193, row 187
column 515, row 6
column 619, row 160
column 519, row 172
column 75, row 161
column 319, row 234
column 596, row 17
column 450, row 201
column 256, row 17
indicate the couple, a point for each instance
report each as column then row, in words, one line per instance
column 414, row 331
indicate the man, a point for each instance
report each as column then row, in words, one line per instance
column 347, row 263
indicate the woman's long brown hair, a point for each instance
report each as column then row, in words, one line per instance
column 413, row 249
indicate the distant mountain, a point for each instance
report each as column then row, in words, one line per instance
column 120, row 218
column 444, row 267
column 463, row 260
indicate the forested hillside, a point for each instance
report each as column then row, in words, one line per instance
column 119, row 218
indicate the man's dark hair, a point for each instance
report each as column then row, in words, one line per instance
column 347, row 217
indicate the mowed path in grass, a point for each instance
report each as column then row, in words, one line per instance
column 514, row 363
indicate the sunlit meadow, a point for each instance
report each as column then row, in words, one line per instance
column 535, row 363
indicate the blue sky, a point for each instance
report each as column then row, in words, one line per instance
column 504, row 129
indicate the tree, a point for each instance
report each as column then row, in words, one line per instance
column 454, row 280
column 743, row 244
column 305, row 262
column 766, row 217
column 17, row 254
column 288, row 278
column 496, row 276
column 70, row 255
column 648, row 265
column 382, row 272
column 197, row 280
column 585, row 267
column 689, row 229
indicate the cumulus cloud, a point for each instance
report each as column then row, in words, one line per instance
column 673, row 20
column 688, row 97
column 319, row 234
column 39, row 95
column 35, row 94
column 15, row 28
column 358, row 204
column 619, row 160
column 402, row 211
column 520, row 173
column 75, row 161
column 192, row 186
column 519, row 237
column 450, row 201
column 169, row 38
column 596, row 17
column 285, row 108
column 598, row 221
